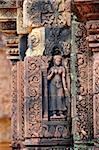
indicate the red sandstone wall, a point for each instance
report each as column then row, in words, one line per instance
column 5, row 105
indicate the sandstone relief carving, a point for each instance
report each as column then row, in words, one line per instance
column 57, row 88
column 47, row 13
column 36, row 40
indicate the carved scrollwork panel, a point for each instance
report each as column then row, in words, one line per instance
column 33, row 104
column 84, row 102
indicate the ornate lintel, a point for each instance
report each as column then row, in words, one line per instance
column 46, row 13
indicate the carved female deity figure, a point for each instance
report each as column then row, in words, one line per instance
column 57, row 88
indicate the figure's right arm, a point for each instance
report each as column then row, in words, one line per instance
column 50, row 74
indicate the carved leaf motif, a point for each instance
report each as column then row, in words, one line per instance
column 56, row 131
column 57, row 37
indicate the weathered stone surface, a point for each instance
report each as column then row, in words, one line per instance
column 96, row 94
column 7, row 3
column 5, row 146
column 20, row 28
column 47, row 13
column 5, row 128
column 7, row 13
column 36, row 42
column 5, row 103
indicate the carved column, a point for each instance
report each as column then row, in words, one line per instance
column 21, row 30
column 8, row 13
column 87, row 60
column 14, row 105
column 93, row 36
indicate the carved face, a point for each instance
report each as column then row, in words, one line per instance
column 57, row 60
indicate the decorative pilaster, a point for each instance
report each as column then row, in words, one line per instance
column 14, row 105
column 93, row 36
column 87, row 43
column 20, row 28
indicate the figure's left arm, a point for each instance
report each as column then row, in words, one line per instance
column 64, row 81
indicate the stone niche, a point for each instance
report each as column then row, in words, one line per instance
column 47, row 114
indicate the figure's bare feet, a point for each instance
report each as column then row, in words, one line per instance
column 54, row 116
column 61, row 115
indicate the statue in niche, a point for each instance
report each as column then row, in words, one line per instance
column 57, row 88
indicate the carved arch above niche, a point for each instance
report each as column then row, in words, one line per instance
column 57, row 38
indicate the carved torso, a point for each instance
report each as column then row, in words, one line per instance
column 57, row 77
